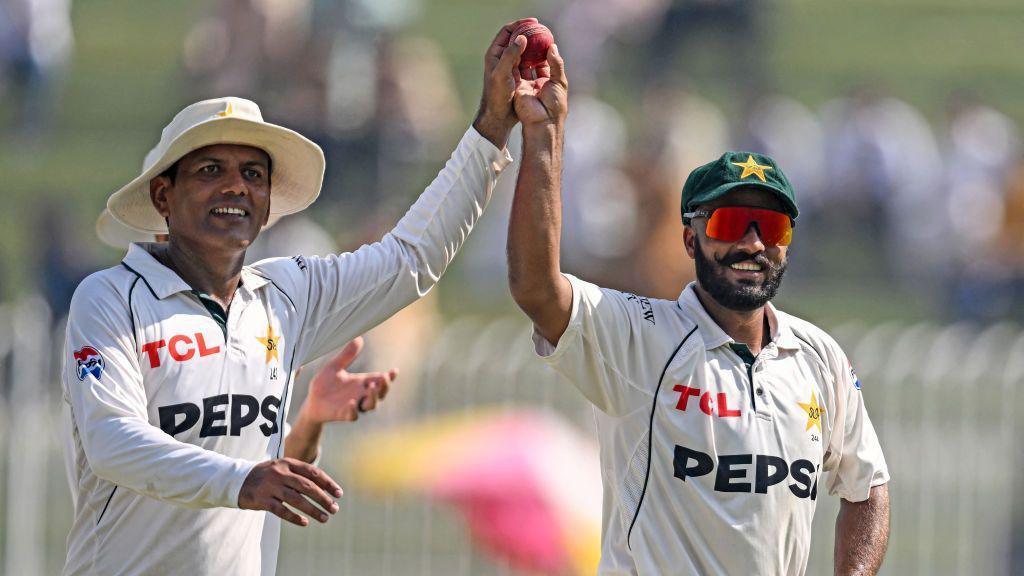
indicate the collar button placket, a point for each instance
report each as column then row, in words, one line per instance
column 235, row 312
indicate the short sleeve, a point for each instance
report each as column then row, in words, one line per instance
column 601, row 350
column 854, row 458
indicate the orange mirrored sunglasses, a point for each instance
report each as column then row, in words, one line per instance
column 730, row 224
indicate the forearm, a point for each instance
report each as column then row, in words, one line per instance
column 535, row 227
column 494, row 130
column 303, row 441
column 535, row 222
column 862, row 534
column 142, row 458
column 439, row 222
column 353, row 292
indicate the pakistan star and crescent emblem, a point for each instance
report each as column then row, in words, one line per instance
column 751, row 167
column 813, row 412
column 271, row 343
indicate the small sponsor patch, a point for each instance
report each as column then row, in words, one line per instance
column 90, row 362
column 853, row 376
column 300, row 262
column 645, row 306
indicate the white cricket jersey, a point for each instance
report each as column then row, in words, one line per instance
column 171, row 408
column 711, row 467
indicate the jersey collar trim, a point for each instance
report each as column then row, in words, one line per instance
column 252, row 281
column 165, row 282
column 714, row 336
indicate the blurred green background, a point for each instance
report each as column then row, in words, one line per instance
column 124, row 83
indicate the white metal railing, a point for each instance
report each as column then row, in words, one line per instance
column 944, row 399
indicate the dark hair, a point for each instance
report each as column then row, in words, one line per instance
column 171, row 173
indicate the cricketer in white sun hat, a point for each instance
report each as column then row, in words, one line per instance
column 298, row 163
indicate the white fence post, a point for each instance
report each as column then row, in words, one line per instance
column 28, row 446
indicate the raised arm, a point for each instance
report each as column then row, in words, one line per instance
column 342, row 296
column 862, row 534
column 535, row 224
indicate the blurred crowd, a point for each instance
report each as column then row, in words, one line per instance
column 36, row 41
column 930, row 207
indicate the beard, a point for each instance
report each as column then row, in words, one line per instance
column 744, row 296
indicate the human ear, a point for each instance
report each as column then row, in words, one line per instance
column 158, row 188
column 690, row 240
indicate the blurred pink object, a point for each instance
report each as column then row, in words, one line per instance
column 527, row 483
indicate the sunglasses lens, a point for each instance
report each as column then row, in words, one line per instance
column 730, row 224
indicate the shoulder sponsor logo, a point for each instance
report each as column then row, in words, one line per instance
column 710, row 404
column 180, row 348
column 853, row 376
column 735, row 472
column 645, row 306
column 300, row 262
column 221, row 415
column 90, row 362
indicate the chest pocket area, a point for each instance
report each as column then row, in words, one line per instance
column 189, row 359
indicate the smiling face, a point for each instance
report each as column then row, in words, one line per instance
column 742, row 275
column 218, row 197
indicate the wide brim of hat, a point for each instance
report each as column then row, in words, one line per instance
column 779, row 193
column 117, row 235
column 298, row 169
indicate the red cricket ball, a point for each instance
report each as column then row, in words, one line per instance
column 538, row 40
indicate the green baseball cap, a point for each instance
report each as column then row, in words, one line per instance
column 735, row 169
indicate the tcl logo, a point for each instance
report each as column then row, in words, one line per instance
column 708, row 403
column 181, row 348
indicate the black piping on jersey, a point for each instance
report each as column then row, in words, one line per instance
column 271, row 280
column 283, row 410
column 284, row 403
column 650, row 435
column 109, row 498
column 134, row 271
column 815, row 350
column 131, row 311
column 750, row 375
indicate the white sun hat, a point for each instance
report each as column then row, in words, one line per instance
column 298, row 163
column 118, row 235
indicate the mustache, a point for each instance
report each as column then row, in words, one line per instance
column 737, row 257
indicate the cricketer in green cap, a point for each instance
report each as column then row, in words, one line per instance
column 739, row 213
column 712, row 405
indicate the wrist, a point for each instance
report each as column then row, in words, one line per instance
column 305, row 421
column 543, row 134
column 303, row 441
column 493, row 128
column 548, row 129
